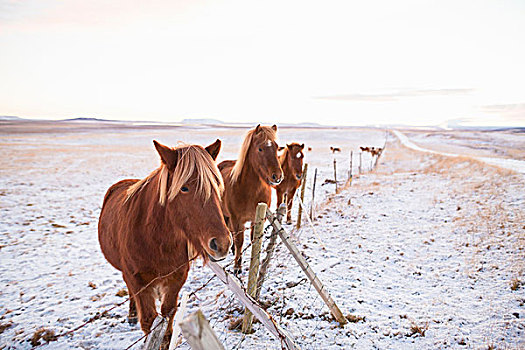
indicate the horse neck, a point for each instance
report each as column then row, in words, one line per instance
column 249, row 175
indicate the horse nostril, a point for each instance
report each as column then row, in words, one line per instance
column 213, row 244
column 274, row 177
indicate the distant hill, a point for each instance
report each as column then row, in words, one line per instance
column 202, row 121
column 88, row 120
column 9, row 117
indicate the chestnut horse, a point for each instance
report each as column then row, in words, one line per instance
column 152, row 229
column 248, row 182
column 291, row 161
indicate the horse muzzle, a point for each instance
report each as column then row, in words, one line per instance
column 214, row 259
column 274, row 181
column 216, row 251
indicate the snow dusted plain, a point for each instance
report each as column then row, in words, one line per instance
column 428, row 249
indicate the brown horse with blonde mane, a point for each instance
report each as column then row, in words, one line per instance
column 291, row 161
column 152, row 229
column 248, row 182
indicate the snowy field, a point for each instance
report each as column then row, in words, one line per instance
column 429, row 250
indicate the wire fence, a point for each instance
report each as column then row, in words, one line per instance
column 287, row 306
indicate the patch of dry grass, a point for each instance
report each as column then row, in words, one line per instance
column 418, row 329
column 44, row 334
column 515, row 284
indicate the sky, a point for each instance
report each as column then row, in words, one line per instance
column 331, row 62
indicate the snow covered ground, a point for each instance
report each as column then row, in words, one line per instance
column 428, row 249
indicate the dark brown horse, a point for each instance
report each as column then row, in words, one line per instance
column 151, row 229
column 248, row 182
column 291, row 161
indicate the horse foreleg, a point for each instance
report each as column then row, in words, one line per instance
column 280, row 195
column 132, row 314
column 238, row 241
column 144, row 300
column 289, row 204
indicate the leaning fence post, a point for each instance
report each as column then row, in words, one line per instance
column 314, row 280
column 178, row 318
column 313, row 196
column 232, row 283
column 260, row 218
column 158, row 328
column 281, row 211
column 199, row 334
column 335, row 175
column 303, row 185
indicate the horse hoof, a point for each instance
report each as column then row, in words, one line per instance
column 133, row 320
column 237, row 271
column 288, row 222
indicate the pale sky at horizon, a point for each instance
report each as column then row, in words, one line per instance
column 331, row 62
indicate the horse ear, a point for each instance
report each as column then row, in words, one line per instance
column 274, row 127
column 281, row 148
column 302, row 146
column 167, row 155
column 289, row 146
column 258, row 128
column 214, row 149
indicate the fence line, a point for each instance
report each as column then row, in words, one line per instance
column 334, row 309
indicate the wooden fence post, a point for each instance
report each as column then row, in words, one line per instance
column 285, row 237
column 313, row 196
column 260, row 218
column 360, row 161
column 382, row 150
column 303, row 185
column 350, row 174
column 154, row 339
column 335, row 175
column 199, row 334
column 281, row 211
column 251, row 304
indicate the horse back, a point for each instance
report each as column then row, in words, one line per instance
column 226, row 164
column 120, row 186
column 109, row 227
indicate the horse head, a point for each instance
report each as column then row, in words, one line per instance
column 192, row 186
column 294, row 159
column 262, row 154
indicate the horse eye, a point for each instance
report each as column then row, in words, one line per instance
column 260, row 149
column 184, row 189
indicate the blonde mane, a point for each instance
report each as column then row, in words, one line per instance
column 269, row 134
column 191, row 158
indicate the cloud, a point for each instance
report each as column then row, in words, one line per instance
column 510, row 111
column 510, row 107
column 394, row 96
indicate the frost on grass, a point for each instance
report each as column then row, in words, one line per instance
column 436, row 240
